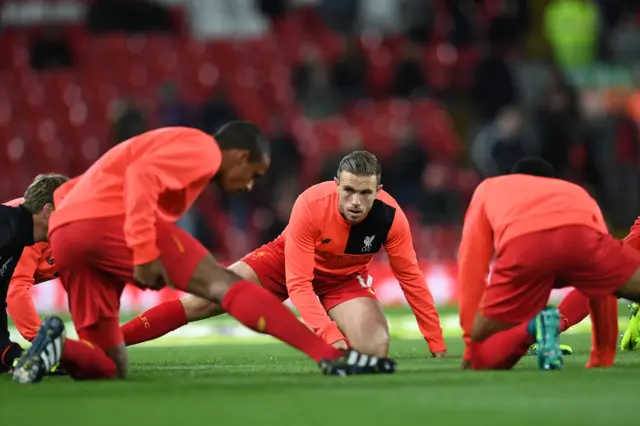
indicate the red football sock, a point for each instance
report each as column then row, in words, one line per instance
column 154, row 323
column 604, row 341
column 261, row 311
column 84, row 361
column 573, row 309
column 502, row 350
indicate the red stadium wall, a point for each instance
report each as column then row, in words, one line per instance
column 441, row 277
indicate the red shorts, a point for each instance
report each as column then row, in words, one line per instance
column 95, row 264
column 530, row 266
column 268, row 264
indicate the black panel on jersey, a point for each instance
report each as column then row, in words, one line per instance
column 368, row 236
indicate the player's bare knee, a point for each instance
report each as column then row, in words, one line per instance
column 211, row 281
column 372, row 342
column 197, row 308
column 119, row 356
column 483, row 328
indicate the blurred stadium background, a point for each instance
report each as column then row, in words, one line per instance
column 444, row 92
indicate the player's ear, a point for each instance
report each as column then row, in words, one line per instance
column 335, row 179
column 47, row 210
column 243, row 155
column 378, row 188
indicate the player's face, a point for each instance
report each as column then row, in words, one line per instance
column 356, row 195
column 241, row 176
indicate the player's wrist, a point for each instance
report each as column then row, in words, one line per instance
column 331, row 333
column 435, row 346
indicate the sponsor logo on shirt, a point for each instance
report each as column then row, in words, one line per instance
column 368, row 241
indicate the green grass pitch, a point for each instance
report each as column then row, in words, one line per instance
column 270, row 384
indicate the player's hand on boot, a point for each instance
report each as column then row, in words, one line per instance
column 341, row 345
column 151, row 275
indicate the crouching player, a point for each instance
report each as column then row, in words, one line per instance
column 36, row 265
column 114, row 225
column 320, row 262
column 546, row 233
column 24, row 222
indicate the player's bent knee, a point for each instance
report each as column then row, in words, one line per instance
column 197, row 308
column 484, row 327
column 118, row 355
column 371, row 342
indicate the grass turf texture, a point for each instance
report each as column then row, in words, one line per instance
column 271, row 384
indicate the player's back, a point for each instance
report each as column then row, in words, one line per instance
column 99, row 191
column 519, row 204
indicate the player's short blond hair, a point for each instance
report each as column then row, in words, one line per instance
column 40, row 192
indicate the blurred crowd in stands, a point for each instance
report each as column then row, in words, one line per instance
column 445, row 92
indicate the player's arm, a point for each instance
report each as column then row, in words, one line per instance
column 172, row 166
column 20, row 304
column 299, row 251
column 633, row 239
column 474, row 257
column 404, row 264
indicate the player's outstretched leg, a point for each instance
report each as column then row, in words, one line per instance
column 44, row 353
column 167, row 317
column 259, row 310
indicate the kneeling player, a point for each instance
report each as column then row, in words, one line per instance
column 575, row 305
column 320, row 262
column 113, row 225
column 546, row 233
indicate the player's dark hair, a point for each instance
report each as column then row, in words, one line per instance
column 244, row 135
column 534, row 166
column 361, row 163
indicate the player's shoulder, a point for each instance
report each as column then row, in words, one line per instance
column 387, row 199
column 319, row 192
column 15, row 202
column 161, row 135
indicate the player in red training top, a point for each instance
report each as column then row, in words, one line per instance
column 113, row 225
column 575, row 305
column 546, row 233
column 36, row 265
column 334, row 231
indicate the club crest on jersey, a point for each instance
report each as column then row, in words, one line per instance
column 368, row 241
